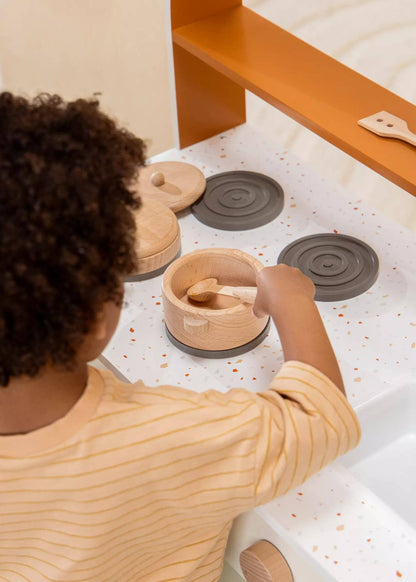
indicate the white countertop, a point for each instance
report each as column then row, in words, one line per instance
column 332, row 517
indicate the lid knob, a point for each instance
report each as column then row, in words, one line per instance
column 262, row 562
column 157, row 179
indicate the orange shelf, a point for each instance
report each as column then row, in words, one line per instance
column 246, row 51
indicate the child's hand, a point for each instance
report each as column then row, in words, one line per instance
column 276, row 285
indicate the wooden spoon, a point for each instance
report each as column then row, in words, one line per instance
column 207, row 288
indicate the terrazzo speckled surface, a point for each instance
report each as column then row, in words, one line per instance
column 333, row 517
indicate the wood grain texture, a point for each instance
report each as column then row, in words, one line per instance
column 385, row 124
column 227, row 322
column 158, row 236
column 207, row 288
column 262, row 562
column 175, row 184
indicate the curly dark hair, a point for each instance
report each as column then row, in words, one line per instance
column 67, row 227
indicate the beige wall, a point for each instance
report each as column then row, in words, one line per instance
column 78, row 47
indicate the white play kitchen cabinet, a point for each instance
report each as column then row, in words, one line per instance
column 356, row 520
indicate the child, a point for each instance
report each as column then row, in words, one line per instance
column 105, row 481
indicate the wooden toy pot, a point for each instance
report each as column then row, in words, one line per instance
column 222, row 323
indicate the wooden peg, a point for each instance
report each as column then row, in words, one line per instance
column 262, row 562
column 157, row 179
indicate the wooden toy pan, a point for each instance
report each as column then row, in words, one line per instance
column 224, row 325
column 158, row 239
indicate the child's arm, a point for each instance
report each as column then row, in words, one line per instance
column 287, row 294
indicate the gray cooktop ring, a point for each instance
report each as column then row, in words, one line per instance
column 340, row 266
column 239, row 200
column 213, row 354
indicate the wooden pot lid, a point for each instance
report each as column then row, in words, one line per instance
column 175, row 184
column 158, row 236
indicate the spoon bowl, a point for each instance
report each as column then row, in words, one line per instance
column 204, row 291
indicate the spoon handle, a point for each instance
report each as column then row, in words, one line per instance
column 246, row 294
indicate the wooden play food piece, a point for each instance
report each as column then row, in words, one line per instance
column 262, row 562
column 223, row 323
column 158, row 238
column 388, row 125
column 175, row 184
column 207, row 288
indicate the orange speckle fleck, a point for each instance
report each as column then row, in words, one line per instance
column 335, row 230
column 132, row 330
column 223, row 156
column 157, row 302
column 254, row 378
column 338, row 514
column 340, row 315
column 368, row 539
column 124, row 356
column 340, row 527
column 399, row 574
column 300, row 493
column 315, row 549
column 186, row 375
column 235, row 370
column 293, row 514
column 164, row 365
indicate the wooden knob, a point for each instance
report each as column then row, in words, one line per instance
column 157, row 179
column 262, row 562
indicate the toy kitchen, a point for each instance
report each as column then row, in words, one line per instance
column 227, row 202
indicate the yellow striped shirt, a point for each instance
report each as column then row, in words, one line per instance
column 142, row 484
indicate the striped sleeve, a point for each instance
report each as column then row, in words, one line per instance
column 306, row 423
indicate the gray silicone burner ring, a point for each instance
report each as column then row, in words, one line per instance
column 213, row 354
column 239, row 200
column 340, row 266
